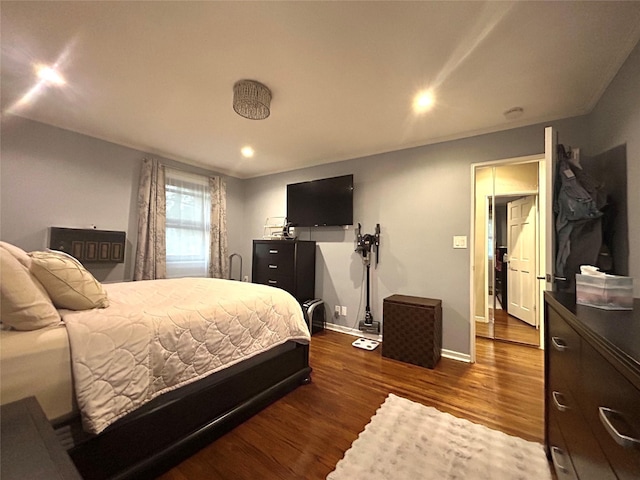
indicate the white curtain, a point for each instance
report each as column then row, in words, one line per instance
column 188, row 224
column 150, row 251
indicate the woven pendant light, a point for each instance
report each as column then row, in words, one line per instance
column 251, row 99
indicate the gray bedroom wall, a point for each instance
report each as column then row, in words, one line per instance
column 54, row 177
column 421, row 197
column 616, row 121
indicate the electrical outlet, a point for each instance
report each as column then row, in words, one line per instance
column 336, row 313
column 343, row 312
column 245, row 278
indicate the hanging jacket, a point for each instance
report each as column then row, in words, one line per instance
column 573, row 204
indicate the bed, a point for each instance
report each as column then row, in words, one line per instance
column 134, row 387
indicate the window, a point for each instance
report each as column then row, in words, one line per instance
column 188, row 224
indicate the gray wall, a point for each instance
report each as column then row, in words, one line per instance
column 615, row 122
column 54, row 177
column 421, row 197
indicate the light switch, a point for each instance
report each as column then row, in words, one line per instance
column 460, row 241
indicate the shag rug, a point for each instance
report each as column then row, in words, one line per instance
column 406, row 440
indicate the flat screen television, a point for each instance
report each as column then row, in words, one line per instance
column 324, row 202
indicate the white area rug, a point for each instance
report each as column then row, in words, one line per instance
column 406, row 440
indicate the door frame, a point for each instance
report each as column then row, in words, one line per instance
column 544, row 186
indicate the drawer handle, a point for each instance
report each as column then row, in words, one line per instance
column 556, row 453
column 559, row 344
column 273, row 251
column 622, row 440
column 273, row 282
column 273, row 266
column 560, row 406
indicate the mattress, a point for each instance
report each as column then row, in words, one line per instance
column 38, row 363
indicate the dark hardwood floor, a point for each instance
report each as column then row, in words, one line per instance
column 303, row 435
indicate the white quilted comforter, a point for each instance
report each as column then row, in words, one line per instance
column 159, row 335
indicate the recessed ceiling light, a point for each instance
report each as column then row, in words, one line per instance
column 423, row 101
column 247, row 152
column 49, row 75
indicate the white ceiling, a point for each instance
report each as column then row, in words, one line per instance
column 158, row 76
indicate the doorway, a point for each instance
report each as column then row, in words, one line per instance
column 545, row 238
column 506, row 250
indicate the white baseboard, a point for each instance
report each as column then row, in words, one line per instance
column 352, row 331
column 453, row 355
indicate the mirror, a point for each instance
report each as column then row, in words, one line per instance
column 505, row 219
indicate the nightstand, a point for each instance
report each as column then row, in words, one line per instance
column 30, row 448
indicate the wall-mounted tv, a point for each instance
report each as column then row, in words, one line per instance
column 324, row 202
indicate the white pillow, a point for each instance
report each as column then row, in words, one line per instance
column 19, row 254
column 68, row 283
column 24, row 303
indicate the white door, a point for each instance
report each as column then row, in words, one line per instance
column 521, row 243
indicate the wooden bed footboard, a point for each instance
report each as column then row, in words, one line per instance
column 154, row 442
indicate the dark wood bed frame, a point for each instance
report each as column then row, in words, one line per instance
column 148, row 445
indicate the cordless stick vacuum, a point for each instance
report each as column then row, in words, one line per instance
column 366, row 245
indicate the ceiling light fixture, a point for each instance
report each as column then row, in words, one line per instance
column 49, row 75
column 247, row 152
column 513, row 113
column 251, row 99
column 423, row 101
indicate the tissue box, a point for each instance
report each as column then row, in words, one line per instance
column 609, row 291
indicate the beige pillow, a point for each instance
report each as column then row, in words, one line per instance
column 19, row 254
column 24, row 303
column 68, row 283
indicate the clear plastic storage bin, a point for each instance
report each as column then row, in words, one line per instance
column 609, row 292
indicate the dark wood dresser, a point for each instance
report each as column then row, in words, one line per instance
column 592, row 390
column 286, row 264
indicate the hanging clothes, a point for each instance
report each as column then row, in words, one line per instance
column 573, row 204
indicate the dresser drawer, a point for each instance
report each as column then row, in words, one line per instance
column 275, row 280
column 587, row 458
column 564, row 351
column 612, row 407
column 558, row 450
column 278, row 264
column 271, row 250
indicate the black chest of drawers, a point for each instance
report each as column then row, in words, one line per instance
column 592, row 390
column 286, row 264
